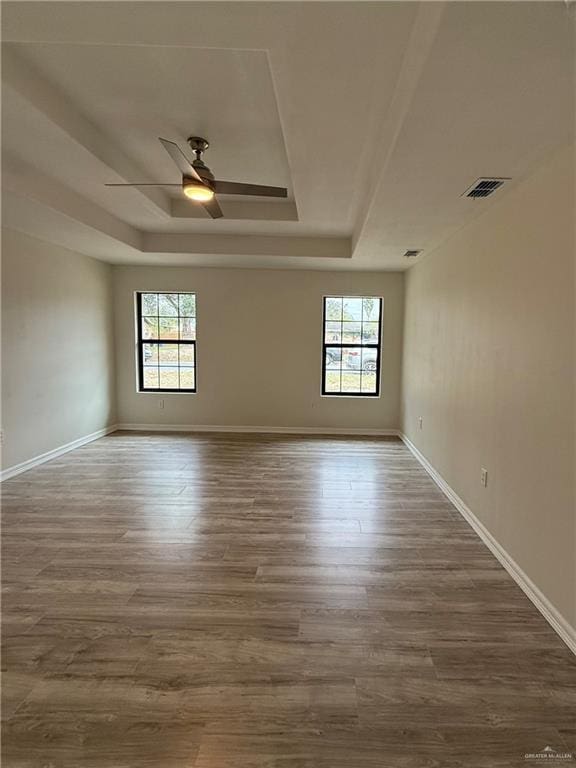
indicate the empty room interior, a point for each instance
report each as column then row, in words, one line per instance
column 288, row 384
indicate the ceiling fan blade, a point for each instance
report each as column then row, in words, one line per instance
column 144, row 184
column 235, row 188
column 185, row 166
column 213, row 208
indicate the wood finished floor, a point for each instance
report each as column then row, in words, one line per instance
column 189, row 601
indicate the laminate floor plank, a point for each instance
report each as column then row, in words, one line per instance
column 264, row 601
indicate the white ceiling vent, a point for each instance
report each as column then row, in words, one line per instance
column 412, row 254
column 484, row 187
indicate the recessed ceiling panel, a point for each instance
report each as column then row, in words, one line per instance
column 137, row 93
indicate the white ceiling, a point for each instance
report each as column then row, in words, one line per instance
column 376, row 116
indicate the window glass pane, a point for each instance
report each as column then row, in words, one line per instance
column 186, row 354
column 333, row 332
column 333, row 358
column 370, row 333
column 187, row 378
column 187, row 328
column 150, row 377
column 150, row 352
column 369, row 359
column 370, row 309
column 332, row 381
column 168, row 328
column 149, row 327
column 351, row 358
column 350, row 382
column 352, row 309
column 369, row 382
column 333, row 309
column 187, row 304
column 351, row 333
column 169, row 377
column 169, row 354
column 149, row 303
column 168, row 304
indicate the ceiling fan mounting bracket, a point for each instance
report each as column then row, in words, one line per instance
column 198, row 144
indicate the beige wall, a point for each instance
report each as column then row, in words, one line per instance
column 57, row 347
column 259, row 349
column 489, row 366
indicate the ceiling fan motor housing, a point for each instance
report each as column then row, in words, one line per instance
column 203, row 171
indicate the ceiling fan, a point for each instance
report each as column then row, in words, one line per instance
column 198, row 182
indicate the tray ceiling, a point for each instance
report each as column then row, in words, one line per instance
column 375, row 116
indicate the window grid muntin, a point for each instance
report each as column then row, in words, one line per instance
column 345, row 345
column 142, row 341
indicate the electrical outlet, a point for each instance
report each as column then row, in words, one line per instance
column 484, row 477
column 160, row 403
column 419, row 422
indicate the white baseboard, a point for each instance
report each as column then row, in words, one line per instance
column 17, row 469
column 558, row 623
column 259, row 430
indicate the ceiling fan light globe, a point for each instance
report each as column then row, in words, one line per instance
column 198, row 192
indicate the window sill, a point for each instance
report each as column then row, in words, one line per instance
column 164, row 392
column 352, row 397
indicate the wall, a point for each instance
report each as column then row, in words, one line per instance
column 259, row 349
column 489, row 366
column 57, row 347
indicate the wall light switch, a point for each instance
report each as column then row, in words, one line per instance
column 419, row 422
column 484, row 477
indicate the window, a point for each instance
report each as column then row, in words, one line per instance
column 351, row 346
column 166, row 342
